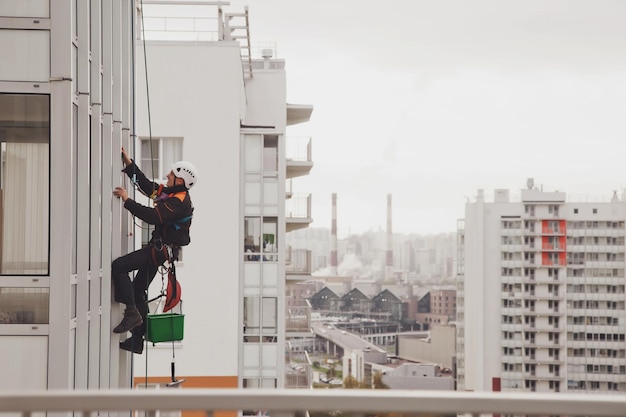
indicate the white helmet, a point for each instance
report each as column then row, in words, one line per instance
column 187, row 171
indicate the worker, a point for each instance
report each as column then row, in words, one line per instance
column 171, row 216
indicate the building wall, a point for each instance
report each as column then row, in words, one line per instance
column 439, row 349
column 200, row 100
column 417, row 376
column 482, row 291
column 78, row 55
column 266, row 98
column 544, row 294
column 443, row 302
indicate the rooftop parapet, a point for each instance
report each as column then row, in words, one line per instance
column 540, row 196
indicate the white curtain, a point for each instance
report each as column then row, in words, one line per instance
column 25, row 209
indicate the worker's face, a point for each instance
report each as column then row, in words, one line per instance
column 171, row 179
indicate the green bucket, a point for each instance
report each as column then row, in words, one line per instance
column 165, row 327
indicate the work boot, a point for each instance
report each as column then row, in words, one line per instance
column 132, row 318
column 133, row 344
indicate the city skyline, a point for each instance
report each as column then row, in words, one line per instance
column 430, row 101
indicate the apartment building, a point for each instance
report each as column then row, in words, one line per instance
column 65, row 111
column 73, row 74
column 541, row 294
column 221, row 104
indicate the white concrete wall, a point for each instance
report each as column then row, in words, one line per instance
column 416, row 376
column 266, row 94
column 196, row 93
column 482, row 292
column 440, row 349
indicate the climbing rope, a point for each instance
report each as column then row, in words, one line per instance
column 162, row 269
column 145, row 61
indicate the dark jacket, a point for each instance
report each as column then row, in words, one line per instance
column 172, row 210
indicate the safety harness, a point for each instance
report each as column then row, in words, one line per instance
column 170, row 253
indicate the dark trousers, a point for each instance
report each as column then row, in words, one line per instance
column 145, row 261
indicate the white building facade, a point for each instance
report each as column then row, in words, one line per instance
column 228, row 115
column 65, row 111
column 72, row 75
column 541, row 299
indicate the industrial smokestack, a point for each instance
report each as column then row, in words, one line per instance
column 389, row 262
column 333, row 237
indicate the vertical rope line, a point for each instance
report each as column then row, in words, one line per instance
column 145, row 64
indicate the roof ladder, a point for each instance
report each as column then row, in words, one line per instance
column 237, row 28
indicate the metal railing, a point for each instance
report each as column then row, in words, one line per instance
column 281, row 402
column 298, row 206
column 298, row 261
column 298, row 318
column 298, row 148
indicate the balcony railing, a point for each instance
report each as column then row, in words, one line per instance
column 298, row 206
column 299, row 377
column 287, row 402
column 298, row 318
column 298, row 262
column 298, row 148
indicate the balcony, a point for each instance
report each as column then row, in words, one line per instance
column 298, row 264
column 289, row 402
column 298, row 372
column 298, row 156
column 298, row 212
column 298, row 319
column 552, row 231
column 298, row 113
column 298, row 376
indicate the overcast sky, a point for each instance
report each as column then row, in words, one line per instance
column 432, row 100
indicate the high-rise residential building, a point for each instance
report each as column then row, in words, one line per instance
column 81, row 79
column 222, row 105
column 541, row 294
column 65, row 111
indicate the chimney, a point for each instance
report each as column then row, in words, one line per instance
column 333, row 237
column 389, row 261
column 267, row 56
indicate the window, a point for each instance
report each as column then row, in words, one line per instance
column 260, row 319
column 259, row 383
column 260, row 243
column 24, row 183
column 156, row 162
column 270, row 153
column 24, row 305
column 158, row 155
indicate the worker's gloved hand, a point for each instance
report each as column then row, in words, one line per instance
column 125, row 158
column 120, row 192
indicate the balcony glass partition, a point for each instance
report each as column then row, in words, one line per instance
column 24, row 184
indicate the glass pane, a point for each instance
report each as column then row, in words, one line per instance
column 270, row 154
column 253, row 153
column 149, row 163
column 269, row 315
column 268, row 383
column 29, row 52
column 270, row 233
column 25, row 8
column 172, row 152
column 251, row 315
column 252, row 238
column 24, row 305
column 24, row 184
